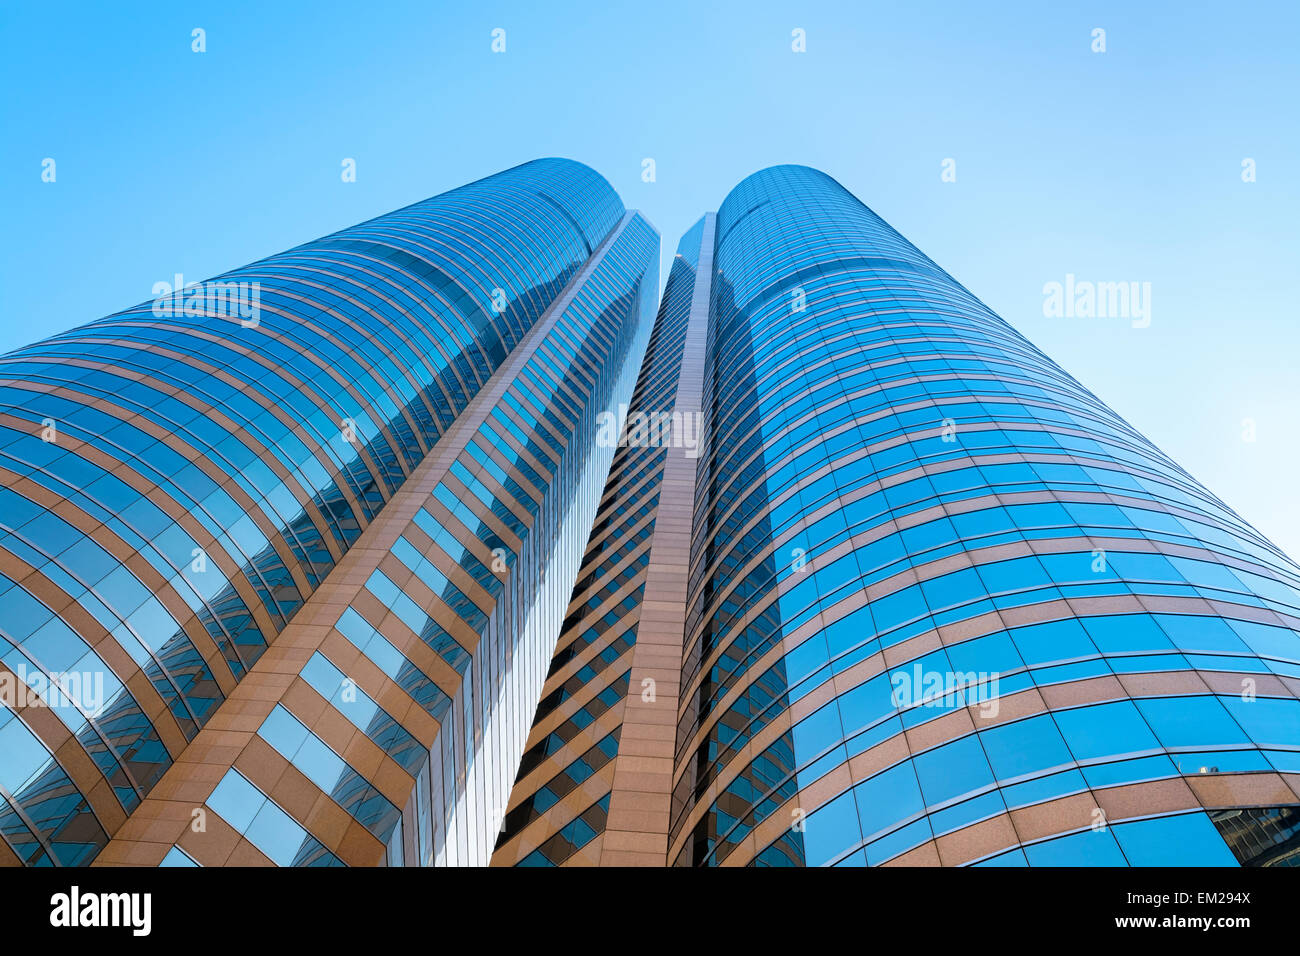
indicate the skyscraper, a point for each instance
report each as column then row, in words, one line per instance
column 595, row 781
column 283, row 551
column 431, row 542
column 941, row 605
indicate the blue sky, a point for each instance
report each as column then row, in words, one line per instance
column 1117, row 166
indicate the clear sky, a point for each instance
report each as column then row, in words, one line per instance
column 1123, row 165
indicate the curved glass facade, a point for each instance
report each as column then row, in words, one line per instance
column 333, row 560
column 945, row 606
column 179, row 479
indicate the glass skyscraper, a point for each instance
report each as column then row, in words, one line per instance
column 295, row 539
column 445, row 540
column 943, row 607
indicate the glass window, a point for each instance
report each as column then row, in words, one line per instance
column 236, row 800
column 831, row 829
column 1191, row 632
column 177, row 857
column 866, row 703
column 1052, row 642
column 1191, row 722
column 816, row 732
column 1269, row 641
column 1089, row 848
column 1189, row 839
column 899, row 842
column 1025, row 747
column 1270, row 721
column 888, row 798
column 954, row 769
column 1104, row 730
column 1126, row 634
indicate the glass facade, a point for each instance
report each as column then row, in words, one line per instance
column 530, row 524
column 944, row 603
column 179, row 482
column 560, row 800
column 335, row 560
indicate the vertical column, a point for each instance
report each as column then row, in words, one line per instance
column 641, row 799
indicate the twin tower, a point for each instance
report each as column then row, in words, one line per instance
column 336, row 560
